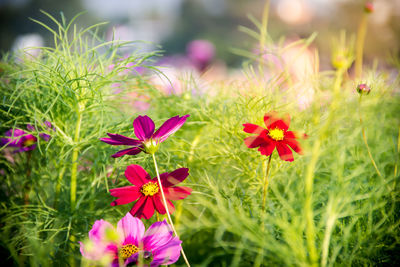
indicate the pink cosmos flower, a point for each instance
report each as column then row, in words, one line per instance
column 148, row 140
column 147, row 191
column 130, row 243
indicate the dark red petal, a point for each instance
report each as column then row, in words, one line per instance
column 267, row 148
column 137, row 175
column 137, row 209
column 148, row 208
column 291, row 135
column 178, row 192
column 294, row 145
column 169, row 127
column 125, row 194
column 175, row 177
column 159, row 204
column 284, row 152
column 128, row 151
column 253, row 128
column 117, row 139
column 270, row 118
column 279, row 124
column 143, row 127
column 253, row 141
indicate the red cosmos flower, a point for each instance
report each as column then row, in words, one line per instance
column 147, row 191
column 275, row 136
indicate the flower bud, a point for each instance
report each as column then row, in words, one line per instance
column 363, row 89
column 369, row 7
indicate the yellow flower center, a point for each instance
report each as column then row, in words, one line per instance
column 276, row 134
column 29, row 142
column 149, row 189
column 127, row 251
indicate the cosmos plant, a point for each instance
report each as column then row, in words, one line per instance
column 152, row 194
column 274, row 136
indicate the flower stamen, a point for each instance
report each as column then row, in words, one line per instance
column 128, row 250
column 149, row 189
column 276, row 134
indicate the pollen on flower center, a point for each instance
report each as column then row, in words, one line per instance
column 276, row 134
column 127, row 251
column 149, row 189
column 29, row 142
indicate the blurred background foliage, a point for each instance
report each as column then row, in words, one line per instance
column 174, row 23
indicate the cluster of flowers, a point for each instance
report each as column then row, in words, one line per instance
column 129, row 243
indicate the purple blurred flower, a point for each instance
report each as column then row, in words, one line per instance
column 148, row 140
column 201, row 53
column 24, row 141
column 20, row 139
column 129, row 243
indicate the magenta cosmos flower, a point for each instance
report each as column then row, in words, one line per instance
column 147, row 191
column 129, row 243
column 20, row 139
column 148, row 140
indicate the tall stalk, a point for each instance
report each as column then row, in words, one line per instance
column 166, row 207
column 365, row 138
column 74, row 169
column 266, row 182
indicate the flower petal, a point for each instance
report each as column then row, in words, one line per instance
column 143, row 127
column 167, row 254
column 175, row 177
column 98, row 231
column 267, row 148
column 125, row 195
column 253, row 141
column 177, row 192
column 252, row 128
column 131, row 229
column 137, row 175
column 117, row 140
column 294, row 145
column 158, row 234
column 272, row 121
column 159, row 204
column 284, row 152
column 270, row 118
column 128, row 151
column 143, row 208
column 279, row 124
column 26, row 148
column 169, row 127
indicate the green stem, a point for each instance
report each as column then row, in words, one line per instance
column 75, row 154
column 74, row 173
column 166, row 208
column 398, row 153
column 365, row 139
column 58, row 187
column 266, row 182
column 362, row 30
column 309, row 184
column 28, row 182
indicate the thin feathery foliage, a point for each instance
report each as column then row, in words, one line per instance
column 329, row 207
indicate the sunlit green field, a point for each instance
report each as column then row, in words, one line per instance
column 336, row 204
